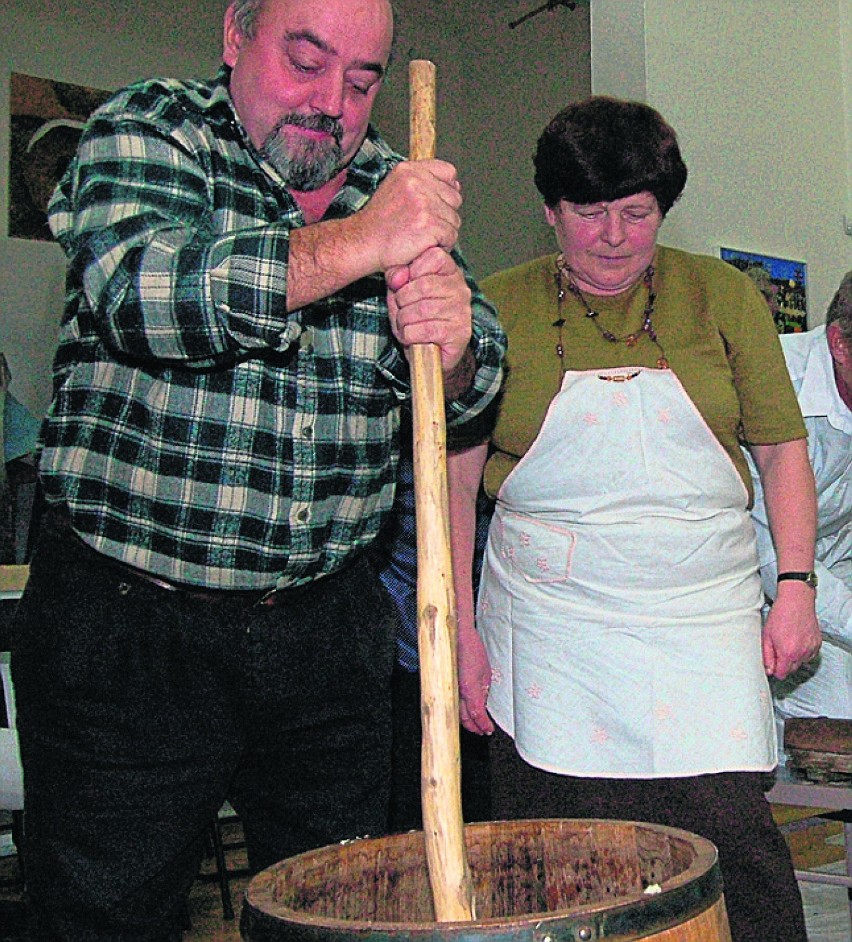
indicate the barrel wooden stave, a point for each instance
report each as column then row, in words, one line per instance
column 563, row 880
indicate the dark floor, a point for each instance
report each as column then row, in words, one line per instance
column 205, row 901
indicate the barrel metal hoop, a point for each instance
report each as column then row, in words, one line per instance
column 628, row 921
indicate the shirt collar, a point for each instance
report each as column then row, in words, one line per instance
column 818, row 395
column 218, row 107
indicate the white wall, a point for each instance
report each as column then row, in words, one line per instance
column 759, row 93
column 618, row 48
column 497, row 87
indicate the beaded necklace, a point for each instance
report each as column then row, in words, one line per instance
column 565, row 282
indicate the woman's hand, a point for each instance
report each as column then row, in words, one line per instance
column 474, row 684
column 791, row 634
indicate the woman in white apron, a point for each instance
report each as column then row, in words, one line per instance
column 619, row 609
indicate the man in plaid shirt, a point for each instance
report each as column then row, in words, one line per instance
column 248, row 261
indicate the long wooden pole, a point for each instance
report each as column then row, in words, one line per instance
column 443, row 827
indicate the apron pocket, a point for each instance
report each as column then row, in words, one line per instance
column 538, row 552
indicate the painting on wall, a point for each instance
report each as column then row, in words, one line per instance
column 46, row 119
column 782, row 281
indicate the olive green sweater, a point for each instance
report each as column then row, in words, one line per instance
column 711, row 321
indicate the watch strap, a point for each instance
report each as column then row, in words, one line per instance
column 808, row 577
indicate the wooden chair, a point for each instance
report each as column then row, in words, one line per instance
column 819, row 799
column 226, row 816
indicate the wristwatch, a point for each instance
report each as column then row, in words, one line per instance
column 808, row 577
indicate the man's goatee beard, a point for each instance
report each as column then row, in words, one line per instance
column 305, row 164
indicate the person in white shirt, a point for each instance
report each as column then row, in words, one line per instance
column 820, row 365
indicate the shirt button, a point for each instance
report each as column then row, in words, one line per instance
column 302, row 515
column 308, row 431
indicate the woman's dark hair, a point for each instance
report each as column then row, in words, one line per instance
column 604, row 149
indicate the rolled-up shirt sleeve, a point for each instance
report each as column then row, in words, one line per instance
column 162, row 279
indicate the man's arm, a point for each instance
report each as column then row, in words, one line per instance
column 414, row 209
column 791, row 634
column 136, row 217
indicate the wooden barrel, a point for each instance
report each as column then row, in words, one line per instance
column 545, row 880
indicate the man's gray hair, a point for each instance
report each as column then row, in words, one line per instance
column 246, row 13
column 840, row 309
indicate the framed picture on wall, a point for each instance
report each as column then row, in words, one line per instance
column 46, row 119
column 782, row 281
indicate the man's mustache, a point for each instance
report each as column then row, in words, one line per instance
column 317, row 122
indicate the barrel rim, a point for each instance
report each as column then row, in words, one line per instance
column 683, row 896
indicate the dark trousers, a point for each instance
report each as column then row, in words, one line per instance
column 729, row 809
column 406, row 810
column 141, row 709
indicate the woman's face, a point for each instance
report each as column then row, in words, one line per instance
column 607, row 245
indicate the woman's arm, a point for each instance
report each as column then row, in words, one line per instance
column 791, row 634
column 464, row 474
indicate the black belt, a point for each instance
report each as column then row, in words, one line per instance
column 267, row 597
column 270, row 598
